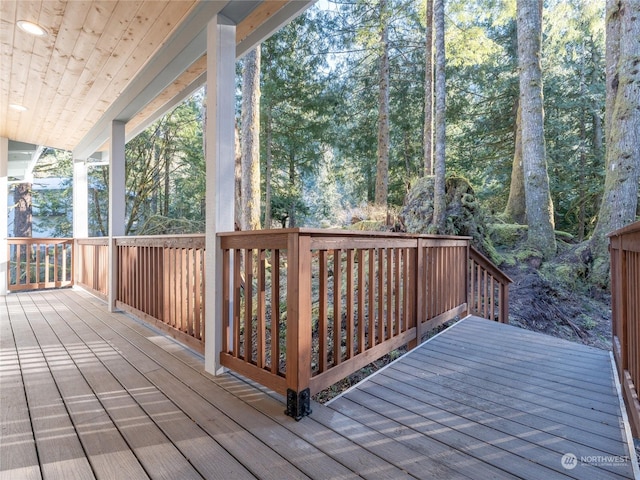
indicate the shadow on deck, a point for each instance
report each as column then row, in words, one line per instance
column 85, row 393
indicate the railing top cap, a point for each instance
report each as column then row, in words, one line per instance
column 632, row 228
column 39, row 239
column 332, row 232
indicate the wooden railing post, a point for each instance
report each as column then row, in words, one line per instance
column 618, row 304
column 298, row 325
column 416, row 292
column 467, row 277
column 114, row 272
column 504, row 303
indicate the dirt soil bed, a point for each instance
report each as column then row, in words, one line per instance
column 537, row 304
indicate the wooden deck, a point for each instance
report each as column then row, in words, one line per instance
column 85, row 393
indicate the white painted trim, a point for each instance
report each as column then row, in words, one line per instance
column 169, row 105
column 35, row 156
column 4, row 226
column 220, row 174
column 625, row 419
column 117, row 204
column 353, row 387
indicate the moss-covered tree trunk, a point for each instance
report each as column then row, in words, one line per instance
column 540, row 220
column 516, row 205
column 382, row 169
column 268, row 170
column 251, row 141
column 622, row 127
column 439, row 201
column 427, row 141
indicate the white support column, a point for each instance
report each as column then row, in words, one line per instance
column 4, row 227
column 80, row 199
column 220, row 162
column 117, row 203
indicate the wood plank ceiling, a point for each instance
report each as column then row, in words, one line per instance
column 92, row 52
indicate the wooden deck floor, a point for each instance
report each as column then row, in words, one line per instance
column 85, row 393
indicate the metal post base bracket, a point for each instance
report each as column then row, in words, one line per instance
column 298, row 403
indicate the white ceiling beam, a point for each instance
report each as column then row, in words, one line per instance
column 184, row 47
column 169, row 105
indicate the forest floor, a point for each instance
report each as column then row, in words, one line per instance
column 546, row 305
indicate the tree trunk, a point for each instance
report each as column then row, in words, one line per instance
column 536, row 179
column 251, row 141
column 268, row 172
column 428, row 93
column 595, row 109
column 382, row 170
column 406, row 142
column 582, row 158
column 516, row 205
column 237, row 214
column 102, row 228
column 167, row 176
column 293, row 221
column 439, row 206
column 611, row 59
column 622, row 129
column 22, row 213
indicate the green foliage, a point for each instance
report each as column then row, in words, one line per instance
column 507, row 234
column 165, row 174
column 53, row 207
column 319, row 120
column 296, row 106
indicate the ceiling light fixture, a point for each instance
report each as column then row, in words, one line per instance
column 31, row 28
column 18, row 108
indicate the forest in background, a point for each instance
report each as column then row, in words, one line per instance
column 313, row 101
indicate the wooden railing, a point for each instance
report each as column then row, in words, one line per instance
column 304, row 308
column 624, row 248
column 92, row 265
column 488, row 288
column 161, row 280
column 38, row 263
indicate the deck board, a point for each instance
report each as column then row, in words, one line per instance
column 18, row 456
column 451, row 389
column 90, row 394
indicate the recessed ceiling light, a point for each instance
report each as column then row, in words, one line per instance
column 31, row 28
column 18, row 108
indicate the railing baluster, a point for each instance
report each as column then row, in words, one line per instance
column 361, row 296
column 261, row 307
column 337, row 306
column 371, row 308
column 323, row 328
column 381, row 295
column 275, row 312
column 349, row 297
column 237, row 287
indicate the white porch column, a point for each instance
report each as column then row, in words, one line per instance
column 4, row 228
column 220, row 164
column 117, row 203
column 80, row 199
